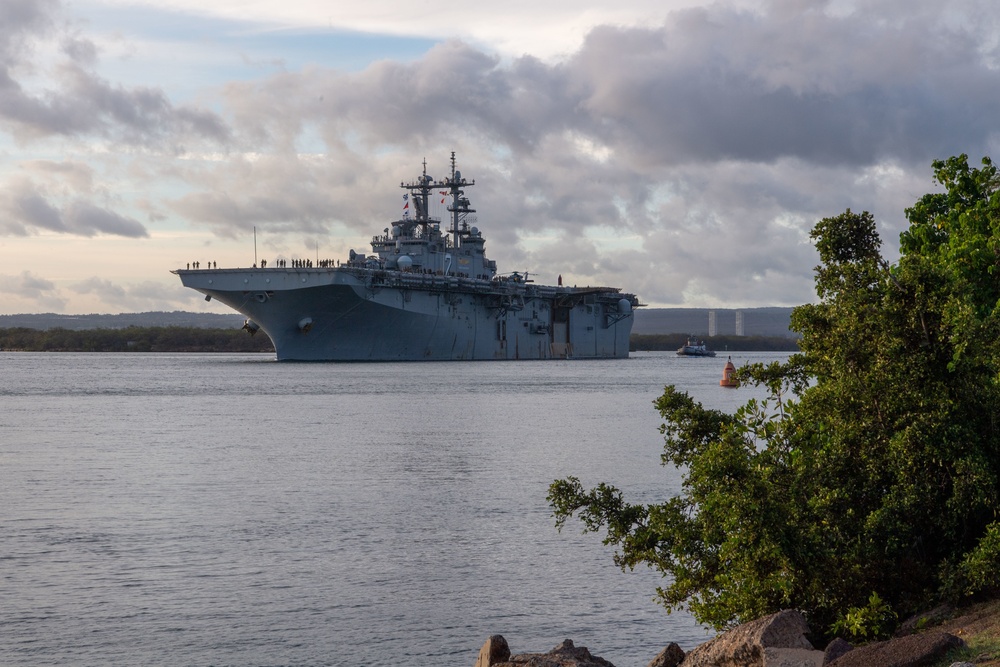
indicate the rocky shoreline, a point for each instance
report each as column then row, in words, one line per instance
column 782, row 640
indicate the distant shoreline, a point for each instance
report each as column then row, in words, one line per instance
column 701, row 322
column 132, row 339
column 198, row 339
column 654, row 329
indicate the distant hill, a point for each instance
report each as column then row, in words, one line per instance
column 177, row 318
column 692, row 321
column 695, row 321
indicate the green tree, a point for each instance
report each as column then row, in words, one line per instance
column 865, row 488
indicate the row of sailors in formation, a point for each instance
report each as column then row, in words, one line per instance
column 330, row 263
column 300, row 263
column 281, row 263
column 324, row 264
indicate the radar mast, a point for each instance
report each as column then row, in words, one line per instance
column 460, row 206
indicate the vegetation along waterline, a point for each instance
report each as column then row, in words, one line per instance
column 197, row 339
column 132, row 339
column 867, row 487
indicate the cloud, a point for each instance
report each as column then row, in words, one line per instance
column 685, row 156
column 55, row 96
column 30, row 292
column 63, row 207
column 86, row 219
column 709, row 85
column 84, row 104
column 717, row 84
column 29, row 285
column 719, row 136
column 36, row 290
column 136, row 297
column 513, row 28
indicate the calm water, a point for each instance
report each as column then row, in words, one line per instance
column 229, row 510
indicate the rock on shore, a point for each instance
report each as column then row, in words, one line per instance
column 496, row 653
column 912, row 651
column 778, row 640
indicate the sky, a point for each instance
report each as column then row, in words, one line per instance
column 679, row 149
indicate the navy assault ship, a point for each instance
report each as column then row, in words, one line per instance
column 423, row 294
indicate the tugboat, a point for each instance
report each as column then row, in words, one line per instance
column 694, row 348
column 425, row 293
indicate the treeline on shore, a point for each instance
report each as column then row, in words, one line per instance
column 133, row 339
column 670, row 342
column 195, row 339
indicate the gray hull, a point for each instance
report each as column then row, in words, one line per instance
column 353, row 314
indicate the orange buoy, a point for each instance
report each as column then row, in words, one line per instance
column 727, row 375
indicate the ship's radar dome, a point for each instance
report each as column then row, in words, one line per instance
column 475, row 231
column 404, row 263
column 624, row 306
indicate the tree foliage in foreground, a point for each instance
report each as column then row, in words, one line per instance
column 865, row 488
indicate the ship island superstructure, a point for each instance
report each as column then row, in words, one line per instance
column 423, row 294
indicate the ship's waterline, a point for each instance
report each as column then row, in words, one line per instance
column 423, row 295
